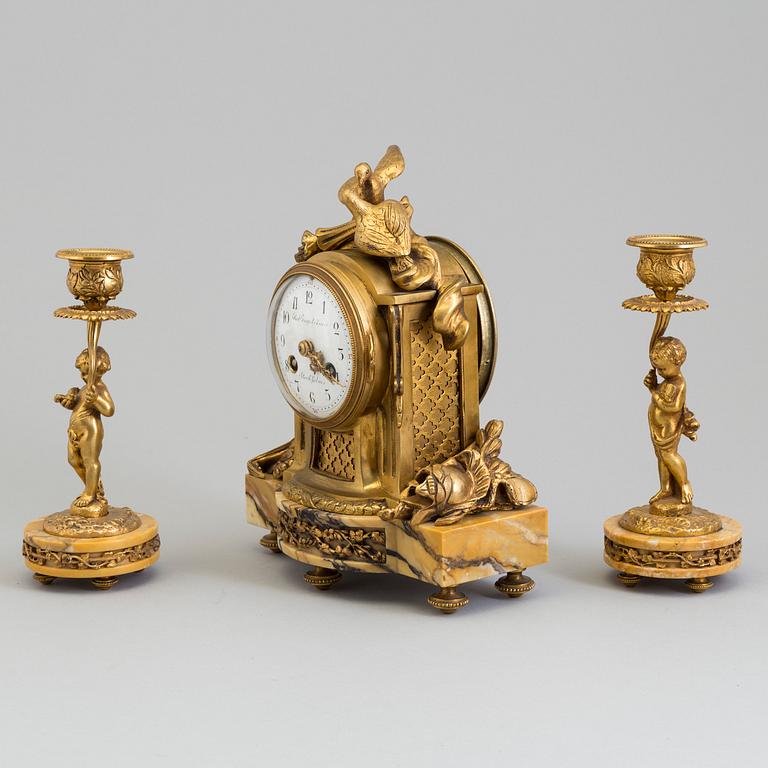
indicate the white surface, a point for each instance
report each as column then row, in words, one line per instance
column 207, row 137
column 308, row 391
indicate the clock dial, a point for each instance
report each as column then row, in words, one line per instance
column 311, row 346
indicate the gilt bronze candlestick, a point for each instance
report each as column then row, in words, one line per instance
column 91, row 539
column 669, row 538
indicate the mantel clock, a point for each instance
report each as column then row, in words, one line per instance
column 383, row 343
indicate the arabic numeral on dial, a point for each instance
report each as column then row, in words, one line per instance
column 308, row 297
column 328, row 394
column 286, row 316
column 341, row 353
column 311, row 397
column 282, row 339
column 336, row 328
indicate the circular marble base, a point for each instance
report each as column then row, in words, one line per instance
column 673, row 557
column 100, row 559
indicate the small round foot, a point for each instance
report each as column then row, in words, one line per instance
column 699, row 584
column 104, row 582
column 448, row 600
column 43, row 579
column 514, row 584
column 269, row 541
column 322, row 578
column 628, row 579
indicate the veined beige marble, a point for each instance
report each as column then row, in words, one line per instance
column 260, row 501
column 35, row 536
column 486, row 544
column 707, row 545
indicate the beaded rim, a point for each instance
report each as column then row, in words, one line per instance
column 662, row 242
column 94, row 254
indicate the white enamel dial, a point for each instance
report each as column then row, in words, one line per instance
column 311, row 346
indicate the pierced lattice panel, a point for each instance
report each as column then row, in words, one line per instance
column 334, row 454
column 436, row 413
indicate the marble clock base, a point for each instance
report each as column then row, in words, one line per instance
column 500, row 542
column 693, row 558
column 101, row 559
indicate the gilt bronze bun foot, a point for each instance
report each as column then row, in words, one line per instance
column 269, row 541
column 322, row 578
column 514, row 584
column 448, row 600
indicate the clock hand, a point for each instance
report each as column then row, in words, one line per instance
column 316, row 360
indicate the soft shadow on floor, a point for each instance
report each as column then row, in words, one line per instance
column 244, row 561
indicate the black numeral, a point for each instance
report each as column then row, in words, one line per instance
column 308, row 297
column 295, row 302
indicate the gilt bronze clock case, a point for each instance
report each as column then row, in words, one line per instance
column 388, row 469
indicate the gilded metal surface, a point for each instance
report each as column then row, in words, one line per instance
column 654, row 558
column 272, row 463
column 666, row 266
column 515, row 584
column 301, row 529
column 334, row 453
column 448, row 600
column 423, row 344
column 629, row 579
column 690, row 523
column 652, row 303
column 487, row 333
column 83, row 313
column 436, row 415
column 117, row 521
column 316, row 360
column 666, row 262
column 326, row 503
column 95, row 277
column 699, row 584
column 90, row 560
column 322, row 578
column 475, row 480
column 382, row 228
column 367, row 338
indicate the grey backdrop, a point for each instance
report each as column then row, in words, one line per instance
column 206, row 137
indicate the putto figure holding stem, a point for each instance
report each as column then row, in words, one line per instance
column 86, row 432
column 669, row 419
